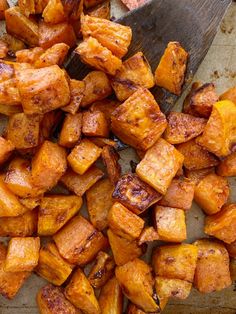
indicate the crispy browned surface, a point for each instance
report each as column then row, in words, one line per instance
column 197, row 175
column 110, row 159
column 76, row 95
column 31, row 202
column 227, row 166
column 71, row 130
column 6, row 147
column 95, row 124
column 101, row 10
column 13, row 43
column 172, row 288
column 3, row 7
column 149, row 234
column 230, row 94
column 231, row 248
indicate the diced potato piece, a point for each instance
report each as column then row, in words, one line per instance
column 79, row 184
column 49, row 123
column 149, row 234
column 27, row 7
column 159, row 165
column 101, row 10
column 9, row 94
column 197, row 175
column 22, row 254
column 71, row 130
column 175, row 288
column 101, row 141
column 110, row 159
column 111, row 298
column 95, row 124
column 6, row 148
column 170, row 224
column 51, row 266
column 10, row 283
column 196, row 157
column 13, row 43
column 43, row 90
column 219, row 136
column 124, row 223
column 230, row 94
column 107, row 106
column 223, row 224
column 80, row 293
column 76, row 96
column 51, row 300
column 211, row 193
column 53, row 55
column 139, row 121
column 231, row 248
column 3, row 7
column 102, row 270
column 3, row 46
column 29, row 55
column 21, row 27
column 212, row 271
column 20, row 226
column 51, row 34
column 171, row 69
column 135, row 194
column 55, row 211
column 113, row 36
column 83, row 156
column 135, row 279
column 175, row 261
column 54, row 12
column 179, row 194
column 91, row 3
column 79, row 242
column 94, row 54
column 97, row 87
column 99, row 202
column 30, row 203
column 183, row 127
column 123, row 250
column 227, row 167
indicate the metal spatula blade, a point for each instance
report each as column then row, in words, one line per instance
column 193, row 23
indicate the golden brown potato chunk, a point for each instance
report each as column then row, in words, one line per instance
column 79, row 242
column 79, row 184
column 219, row 136
column 123, row 250
column 51, row 300
column 231, row 248
column 211, row 193
column 51, row 266
column 170, row 223
column 102, row 270
column 149, row 234
column 55, row 211
column 223, row 224
column 6, row 148
column 9, row 93
column 159, row 165
column 10, row 282
column 95, row 55
column 76, row 95
column 99, row 201
column 179, row 194
column 101, row 10
column 29, row 55
column 175, row 261
column 107, row 106
column 227, row 167
column 110, row 159
column 134, row 73
column 197, row 175
column 80, row 293
column 48, row 165
column 71, row 130
column 12, row 42
column 113, row 36
column 3, row 46
column 95, row 124
column 53, row 55
column 172, row 288
column 171, row 69
column 135, row 279
column 27, row 7
column 3, row 7
column 43, row 90
column 212, row 271
column 195, row 156
column 31, row 202
column 139, row 121
column 22, row 254
column 54, row 13
column 230, row 94
column 135, row 194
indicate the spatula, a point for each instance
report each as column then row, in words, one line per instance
column 193, row 23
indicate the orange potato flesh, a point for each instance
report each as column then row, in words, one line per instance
column 6, row 148
column 227, row 166
column 149, row 234
column 95, row 124
column 197, row 175
column 54, row 13
column 9, row 93
column 3, row 7
column 172, row 288
column 71, row 130
column 107, row 106
column 101, row 10
column 110, row 159
column 53, row 55
column 76, row 95
column 29, row 55
column 230, row 94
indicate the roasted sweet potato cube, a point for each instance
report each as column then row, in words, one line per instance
column 6, row 148
column 102, row 270
column 22, row 254
column 110, row 159
column 29, row 55
column 99, row 202
column 9, row 93
column 183, row 127
column 223, row 224
column 55, row 211
column 139, row 121
column 79, row 184
column 195, row 156
column 170, row 223
column 135, row 279
column 107, row 106
column 71, row 130
column 197, row 175
column 113, row 36
column 3, row 46
column 135, row 194
column 101, row 10
column 231, row 248
column 230, row 94
column 7, row 71
column 51, row 266
column 124, row 223
column 211, row 193
column 43, row 90
column 149, row 234
column 53, row 55
column 95, row 124
column 79, row 242
column 175, row 261
column 27, row 7
column 10, row 283
column 212, row 271
column 54, row 12
column 83, row 156
column 123, row 250
column 179, row 194
column 3, row 7
column 170, row 71
column 76, row 96
column 12, row 42
column 51, row 34
column 172, row 288
column 159, row 165
column 80, row 293
column 31, row 202
column 227, row 167
column 219, row 136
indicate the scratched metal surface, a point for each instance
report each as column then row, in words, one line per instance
column 219, row 66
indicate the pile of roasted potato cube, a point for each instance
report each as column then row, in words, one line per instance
column 58, row 138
